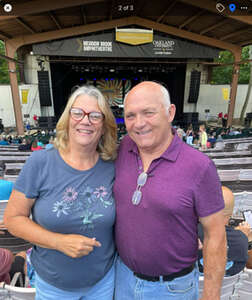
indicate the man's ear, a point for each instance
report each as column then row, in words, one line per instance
column 171, row 112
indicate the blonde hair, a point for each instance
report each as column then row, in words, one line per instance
column 107, row 145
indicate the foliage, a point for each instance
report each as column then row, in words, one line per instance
column 223, row 75
column 4, row 75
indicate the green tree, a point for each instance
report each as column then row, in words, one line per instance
column 4, row 75
column 223, row 75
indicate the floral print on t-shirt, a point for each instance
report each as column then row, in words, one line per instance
column 88, row 203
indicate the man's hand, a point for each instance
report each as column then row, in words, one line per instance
column 244, row 227
column 75, row 245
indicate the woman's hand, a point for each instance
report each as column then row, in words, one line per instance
column 75, row 245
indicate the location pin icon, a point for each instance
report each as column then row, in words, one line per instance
column 232, row 7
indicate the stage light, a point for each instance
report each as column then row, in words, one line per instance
column 81, row 79
column 94, row 79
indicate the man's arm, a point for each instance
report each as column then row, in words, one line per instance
column 214, row 254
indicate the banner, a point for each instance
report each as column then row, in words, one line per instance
column 133, row 36
column 225, row 93
column 24, row 96
column 104, row 45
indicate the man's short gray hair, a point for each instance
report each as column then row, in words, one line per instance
column 166, row 96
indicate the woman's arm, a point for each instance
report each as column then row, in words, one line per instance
column 16, row 219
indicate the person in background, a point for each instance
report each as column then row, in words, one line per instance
column 163, row 187
column 4, row 141
column 69, row 189
column 35, row 146
column 180, row 132
column 237, row 238
column 19, row 263
column 5, row 185
column 189, row 135
column 35, row 120
column 50, row 143
column 220, row 115
column 224, row 120
column 26, row 145
column 203, row 137
column 1, row 126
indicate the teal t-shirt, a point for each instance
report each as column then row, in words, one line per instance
column 5, row 189
column 70, row 201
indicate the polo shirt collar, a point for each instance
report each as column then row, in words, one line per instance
column 171, row 153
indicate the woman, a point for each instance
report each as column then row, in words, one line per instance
column 69, row 189
column 35, row 146
column 6, row 260
column 10, row 264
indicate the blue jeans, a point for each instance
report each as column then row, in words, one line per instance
column 103, row 289
column 130, row 287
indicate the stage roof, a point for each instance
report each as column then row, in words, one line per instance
column 198, row 20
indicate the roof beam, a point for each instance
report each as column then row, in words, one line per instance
column 78, row 30
column 111, row 10
column 246, row 43
column 11, row 59
column 83, row 15
column 192, row 18
column 215, row 25
column 211, row 6
column 139, row 7
column 4, row 36
column 25, row 25
column 159, row 20
column 35, row 7
column 226, row 37
column 55, row 20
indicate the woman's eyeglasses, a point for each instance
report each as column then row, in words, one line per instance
column 79, row 114
column 141, row 180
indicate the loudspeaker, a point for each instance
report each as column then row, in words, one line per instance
column 44, row 88
column 194, row 87
column 249, row 115
column 47, row 122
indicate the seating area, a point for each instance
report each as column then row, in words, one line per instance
column 233, row 161
column 234, row 287
column 10, row 155
column 11, row 291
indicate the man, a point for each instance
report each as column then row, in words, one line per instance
column 162, row 188
column 237, row 238
column 5, row 186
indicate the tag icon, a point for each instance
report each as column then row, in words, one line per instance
column 220, row 7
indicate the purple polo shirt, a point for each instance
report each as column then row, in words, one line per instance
column 159, row 236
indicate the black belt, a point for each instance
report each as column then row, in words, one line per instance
column 166, row 277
